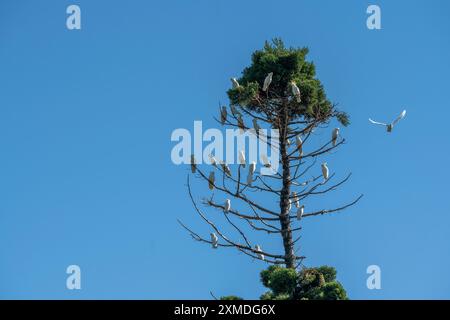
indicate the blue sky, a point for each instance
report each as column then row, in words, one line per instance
column 85, row 124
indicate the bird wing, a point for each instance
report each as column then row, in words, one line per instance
column 375, row 122
column 400, row 117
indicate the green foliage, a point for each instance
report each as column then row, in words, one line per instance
column 288, row 65
column 231, row 298
column 308, row 284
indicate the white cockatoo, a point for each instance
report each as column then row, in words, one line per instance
column 288, row 142
column 295, row 199
column 265, row 161
column 193, row 164
column 289, row 205
column 300, row 212
column 211, row 180
column 334, row 136
column 390, row 126
column 259, row 252
column 325, row 171
column 241, row 124
column 296, row 92
column 213, row 160
column 223, row 114
column 299, row 143
column 214, row 240
column 226, row 169
column 267, row 81
column 242, row 158
column 227, row 205
column 251, row 171
column 235, row 83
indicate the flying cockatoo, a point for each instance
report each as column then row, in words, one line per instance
column 251, row 171
column 259, row 252
column 295, row 199
column 227, row 206
column 390, row 126
column 265, row 161
column 226, row 169
column 299, row 142
column 296, row 92
column 241, row 124
column 213, row 160
column 300, row 212
column 325, row 171
column 334, row 136
column 242, row 158
column 211, row 180
column 267, row 81
column 235, row 83
column 223, row 114
column 193, row 164
column 214, row 241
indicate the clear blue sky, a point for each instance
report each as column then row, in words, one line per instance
column 85, row 124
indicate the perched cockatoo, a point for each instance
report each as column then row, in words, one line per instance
column 289, row 205
column 242, row 158
column 288, row 142
column 259, row 252
column 256, row 126
column 193, row 164
column 295, row 199
column 241, row 124
column 296, row 92
column 267, row 81
column 227, row 206
column 334, row 136
column 325, row 171
column 223, row 114
column 214, row 240
column 300, row 212
column 235, row 83
column 251, row 171
column 211, row 180
column 390, row 126
column 235, row 112
column 226, row 169
column 265, row 161
column 213, row 160
column 299, row 142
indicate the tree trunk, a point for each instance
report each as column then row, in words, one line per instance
column 285, row 222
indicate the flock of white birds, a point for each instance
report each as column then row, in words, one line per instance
column 296, row 93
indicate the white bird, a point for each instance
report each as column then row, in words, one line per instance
column 288, row 142
column 211, row 180
column 265, row 161
column 267, row 81
column 335, row 135
column 241, row 124
column 193, row 164
column 213, row 160
column 300, row 212
column 223, row 114
column 390, row 126
column 259, row 252
column 296, row 92
column 325, row 171
column 289, row 205
column 295, row 198
column 251, row 171
column 235, row 83
column 299, row 142
column 214, row 241
column 242, row 158
column 226, row 169
column 227, row 206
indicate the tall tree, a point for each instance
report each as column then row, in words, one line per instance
column 279, row 90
